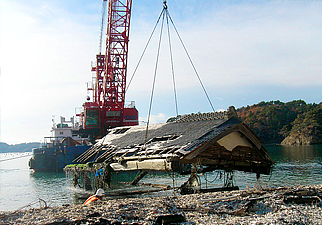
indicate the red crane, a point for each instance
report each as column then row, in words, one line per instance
column 107, row 110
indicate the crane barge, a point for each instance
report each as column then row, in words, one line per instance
column 107, row 109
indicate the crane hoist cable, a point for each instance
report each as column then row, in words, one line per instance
column 183, row 45
column 144, row 50
column 102, row 24
column 165, row 9
column 172, row 69
column 154, row 78
column 166, row 15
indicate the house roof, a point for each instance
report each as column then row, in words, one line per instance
column 216, row 140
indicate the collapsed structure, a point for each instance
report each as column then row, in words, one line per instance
column 190, row 144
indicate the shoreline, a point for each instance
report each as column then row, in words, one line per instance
column 284, row 205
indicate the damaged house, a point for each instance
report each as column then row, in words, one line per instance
column 190, row 144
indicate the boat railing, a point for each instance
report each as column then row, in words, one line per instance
column 53, row 142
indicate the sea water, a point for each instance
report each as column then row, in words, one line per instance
column 21, row 188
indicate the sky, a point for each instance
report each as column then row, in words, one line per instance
column 244, row 52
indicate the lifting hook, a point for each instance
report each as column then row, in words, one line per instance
column 165, row 4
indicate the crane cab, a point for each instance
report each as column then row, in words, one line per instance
column 91, row 116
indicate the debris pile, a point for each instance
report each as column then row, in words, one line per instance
column 250, row 206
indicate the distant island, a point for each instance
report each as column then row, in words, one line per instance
column 290, row 123
column 24, row 147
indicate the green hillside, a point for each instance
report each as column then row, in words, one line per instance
column 294, row 122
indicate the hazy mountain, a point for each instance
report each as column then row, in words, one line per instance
column 23, row 147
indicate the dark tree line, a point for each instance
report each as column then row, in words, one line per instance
column 273, row 121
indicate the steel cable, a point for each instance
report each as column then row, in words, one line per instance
column 184, row 47
column 172, row 66
column 154, row 79
column 146, row 46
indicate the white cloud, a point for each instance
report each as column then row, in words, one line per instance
column 159, row 118
column 253, row 44
column 238, row 49
column 43, row 69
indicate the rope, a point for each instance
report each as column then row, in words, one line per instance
column 213, row 181
column 2, row 160
column 39, row 200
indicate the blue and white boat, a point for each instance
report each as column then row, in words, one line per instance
column 60, row 149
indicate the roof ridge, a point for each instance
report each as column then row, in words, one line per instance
column 222, row 115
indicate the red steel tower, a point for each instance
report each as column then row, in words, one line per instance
column 107, row 110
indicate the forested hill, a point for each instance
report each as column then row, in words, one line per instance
column 24, row 147
column 291, row 123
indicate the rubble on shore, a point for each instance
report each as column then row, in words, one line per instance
column 284, row 205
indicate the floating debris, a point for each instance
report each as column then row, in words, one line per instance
column 251, row 206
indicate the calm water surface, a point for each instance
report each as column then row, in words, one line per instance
column 20, row 187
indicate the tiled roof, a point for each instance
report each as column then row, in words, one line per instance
column 160, row 136
column 184, row 140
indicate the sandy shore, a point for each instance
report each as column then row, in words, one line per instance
column 292, row 205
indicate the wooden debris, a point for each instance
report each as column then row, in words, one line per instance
column 250, row 206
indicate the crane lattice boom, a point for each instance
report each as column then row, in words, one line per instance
column 107, row 109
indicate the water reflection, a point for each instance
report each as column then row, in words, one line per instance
column 52, row 187
column 295, row 154
column 294, row 165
